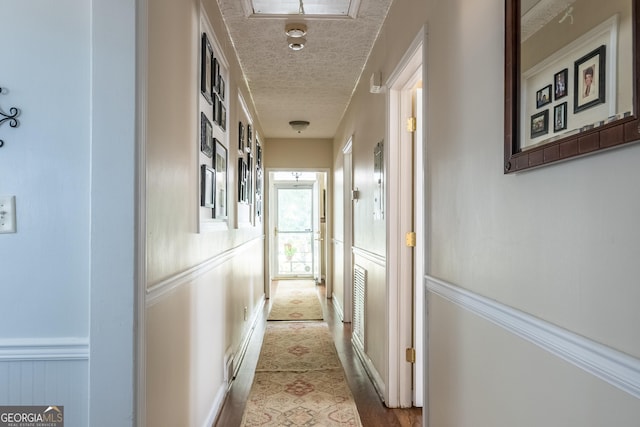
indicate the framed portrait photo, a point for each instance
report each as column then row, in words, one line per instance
column 560, row 117
column 540, row 124
column 543, row 96
column 590, row 80
column 206, row 69
column 560, row 84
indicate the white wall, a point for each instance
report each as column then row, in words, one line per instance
column 45, row 163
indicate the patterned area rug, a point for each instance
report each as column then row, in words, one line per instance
column 297, row 346
column 299, row 380
column 296, row 300
column 317, row 398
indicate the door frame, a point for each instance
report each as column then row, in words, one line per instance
column 347, row 231
column 268, row 221
column 399, row 194
column 292, row 185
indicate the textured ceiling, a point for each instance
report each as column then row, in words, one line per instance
column 313, row 84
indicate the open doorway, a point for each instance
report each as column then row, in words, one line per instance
column 297, row 225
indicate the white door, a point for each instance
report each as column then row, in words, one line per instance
column 294, row 232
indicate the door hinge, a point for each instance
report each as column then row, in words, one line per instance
column 411, row 355
column 410, row 239
column 411, row 124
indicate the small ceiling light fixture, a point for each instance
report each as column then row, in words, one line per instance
column 295, row 30
column 295, row 35
column 298, row 125
column 296, row 43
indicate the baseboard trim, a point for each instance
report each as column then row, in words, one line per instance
column 337, row 308
column 616, row 368
column 158, row 291
column 49, row 349
column 378, row 382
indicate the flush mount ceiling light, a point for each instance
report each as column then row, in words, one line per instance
column 298, row 125
column 296, row 43
column 295, row 30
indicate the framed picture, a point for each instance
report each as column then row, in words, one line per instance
column 590, row 80
column 249, row 198
column 249, row 138
column 560, row 80
column 221, row 87
column 206, row 135
column 223, row 116
column 206, row 69
column 207, row 183
column 220, row 165
column 215, row 77
column 258, row 154
column 543, row 96
column 560, row 117
column 240, row 136
column 242, row 180
column 540, row 124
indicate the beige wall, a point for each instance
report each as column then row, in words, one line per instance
column 298, row 153
column 198, row 284
column 558, row 243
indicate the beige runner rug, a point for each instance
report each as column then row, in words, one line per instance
column 297, row 346
column 296, row 300
column 299, row 380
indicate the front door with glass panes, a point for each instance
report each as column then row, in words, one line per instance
column 294, row 235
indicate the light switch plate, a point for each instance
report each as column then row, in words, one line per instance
column 7, row 214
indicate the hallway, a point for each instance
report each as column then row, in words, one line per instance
column 372, row 411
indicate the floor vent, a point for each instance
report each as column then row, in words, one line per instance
column 359, row 297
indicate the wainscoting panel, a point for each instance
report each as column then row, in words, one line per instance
column 47, row 372
column 616, row 368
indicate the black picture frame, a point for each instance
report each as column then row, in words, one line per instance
column 206, row 69
column 242, row 180
column 240, row 136
column 590, row 80
column 561, row 84
column 216, row 109
column 215, row 82
column 540, row 124
column 223, row 116
column 249, row 196
column 206, row 136
column 220, row 164
column 560, row 117
column 207, row 185
column 543, row 96
column 258, row 153
column 247, row 147
column 221, row 87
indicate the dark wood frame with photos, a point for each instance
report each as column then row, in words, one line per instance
column 615, row 133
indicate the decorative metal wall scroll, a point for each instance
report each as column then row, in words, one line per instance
column 11, row 118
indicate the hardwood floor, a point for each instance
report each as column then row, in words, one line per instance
column 372, row 411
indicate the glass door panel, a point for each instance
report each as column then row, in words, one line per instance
column 294, row 231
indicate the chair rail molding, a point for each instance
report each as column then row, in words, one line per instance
column 616, row 368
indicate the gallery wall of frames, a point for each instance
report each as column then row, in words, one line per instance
column 217, row 155
column 213, row 140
